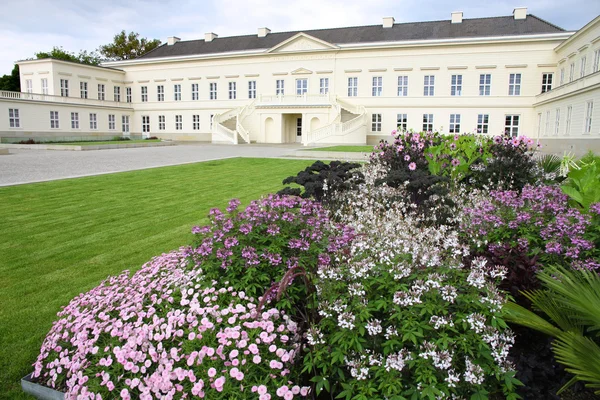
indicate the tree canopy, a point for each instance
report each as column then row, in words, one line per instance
column 84, row 57
column 126, row 46
column 12, row 81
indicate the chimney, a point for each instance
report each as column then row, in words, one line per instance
column 209, row 37
column 520, row 12
column 388, row 22
column 457, row 17
column 262, row 32
column 171, row 40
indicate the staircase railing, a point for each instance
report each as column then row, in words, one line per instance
column 224, row 132
column 243, row 114
column 336, row 127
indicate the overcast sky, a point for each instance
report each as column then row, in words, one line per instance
column 29, row 26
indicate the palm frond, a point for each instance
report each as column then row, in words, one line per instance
column 549, row 163
column 520, row 315
column 581, row 356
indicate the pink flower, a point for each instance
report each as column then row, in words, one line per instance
column 212, row 372
column 412, row 166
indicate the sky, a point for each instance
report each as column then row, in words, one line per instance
column 39, row 25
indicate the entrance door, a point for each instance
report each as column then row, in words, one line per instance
column 298, row 130
column 301, row 87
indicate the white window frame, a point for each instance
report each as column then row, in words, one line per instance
column 587, row 123
column 547, row 79
column 427, row 122
column 353, row 86
column 178, row 122
column 402, row 122
column 212, row 120
column 402, row 85
column 429, row 85
column 232, row 90
column 93, row 121
column 54, row 120
column 596, row 65
column 511, row 124
column 454, row 126
column 177, row 92
column 280, row 87
column 14, row 121
column 572, row 72
column 112, row 122
column 196, row 122
column 144, row 93
column 128, row 96
column 483, row 123
column 125, row 124
column 160, row 94
column 547, row 129
column 301, row 86
column 83, row 90
column 514, row 84
column 582, row 67
column 323, row 85
column 29, row 86
column 44, row 85
column 212, row 88
column 456, row 85
column 568, row 120
column 145, row 124
column 377, row 86
column 251, row 89
column 101, row 91
column 485, row 84
column 562, row 76
column 74, row 120
column 195, row 91
column 117, row 94
column 557, row 122
column 161, row 123
column 376, row 122
column 64, row 87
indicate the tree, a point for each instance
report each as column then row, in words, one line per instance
column 11, row 82
column 91, row 58
column 126, row 46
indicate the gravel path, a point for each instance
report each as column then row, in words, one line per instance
column 27, row 166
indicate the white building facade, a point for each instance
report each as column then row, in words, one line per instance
column 516, row 74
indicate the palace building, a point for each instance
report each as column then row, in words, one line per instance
column 517, row 74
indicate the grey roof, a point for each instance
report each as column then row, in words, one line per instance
column 469, row 28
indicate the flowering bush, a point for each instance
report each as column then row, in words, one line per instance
column 456, row 154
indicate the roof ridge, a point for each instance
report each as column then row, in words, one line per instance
column 546, row 22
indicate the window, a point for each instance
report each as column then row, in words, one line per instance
column 29, row 86
column 572, row 72
column 196, row 122
column 177, row 92
column 377, row 86
column 54, row 120
column 402, row 122
column 403, row 86
column 74, row 120
column 456, row 85
column 511, row 125
column 64, row 87
column 232, row 90
column 547, row 82
column 178, row 122
column 13, row 118
column 251, row 89
column 353, row 87
column 485, row 84
column 587, row 126
column 145, row 123
column 44, row 85
column 428, row 85
column 161, row 122
column 562, row 76
column 596, row 65
column 212, row 117
column 557, row 122
column 539, row 129
column 301, row 87
column 101, row 92
column 213, row 90
column 568, row 121
column 128, row 94
column 514, row 85
column 427, row 122
column 112, row 122
column 160, row 94
column 323, row 85
column 376, row 123
column 280, row 87
column 117, row 93
column 125, row 123
column 454, row 123
column 582, row 69
column 195, row 95
column 483, row 121
column 93, row 121
column 83, row 90
column 144, row 90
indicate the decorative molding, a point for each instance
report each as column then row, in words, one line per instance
column 160, row 80
column 302, row 42
column 429, row 68
column 84, row 76
column 213, row 77
column 352, row 71
column 550, row 65
column 65, row 73
column 231, row 76
column 485, row 66
column 515, row 66
column 301, row 71
column 101, row 79
column 279, row 73
column 594, row 40
column 251, row 75
column 582, row 48
column 194, row 78
column 378, row 70
column 451, row 67
column 27, row 73
column 144, row 81
column 329, row 71
column 116, row 81
column 43, row 72
column 403, row 69
column 562, row 60
column 573, row 54
column 176, row 79
column 127, row 82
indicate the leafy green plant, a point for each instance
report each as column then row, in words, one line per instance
column 583, row 185
column 455, row 154
column 571, row 301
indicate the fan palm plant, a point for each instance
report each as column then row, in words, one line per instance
column 571, row 301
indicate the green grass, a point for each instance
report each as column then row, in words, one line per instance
column 105, row 142
column 64, row 237
column 348, row 149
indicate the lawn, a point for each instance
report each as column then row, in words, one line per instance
column 64, row 237
column 348, row 149
column 106, row 142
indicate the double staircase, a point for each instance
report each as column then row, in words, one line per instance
column 234, row 126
